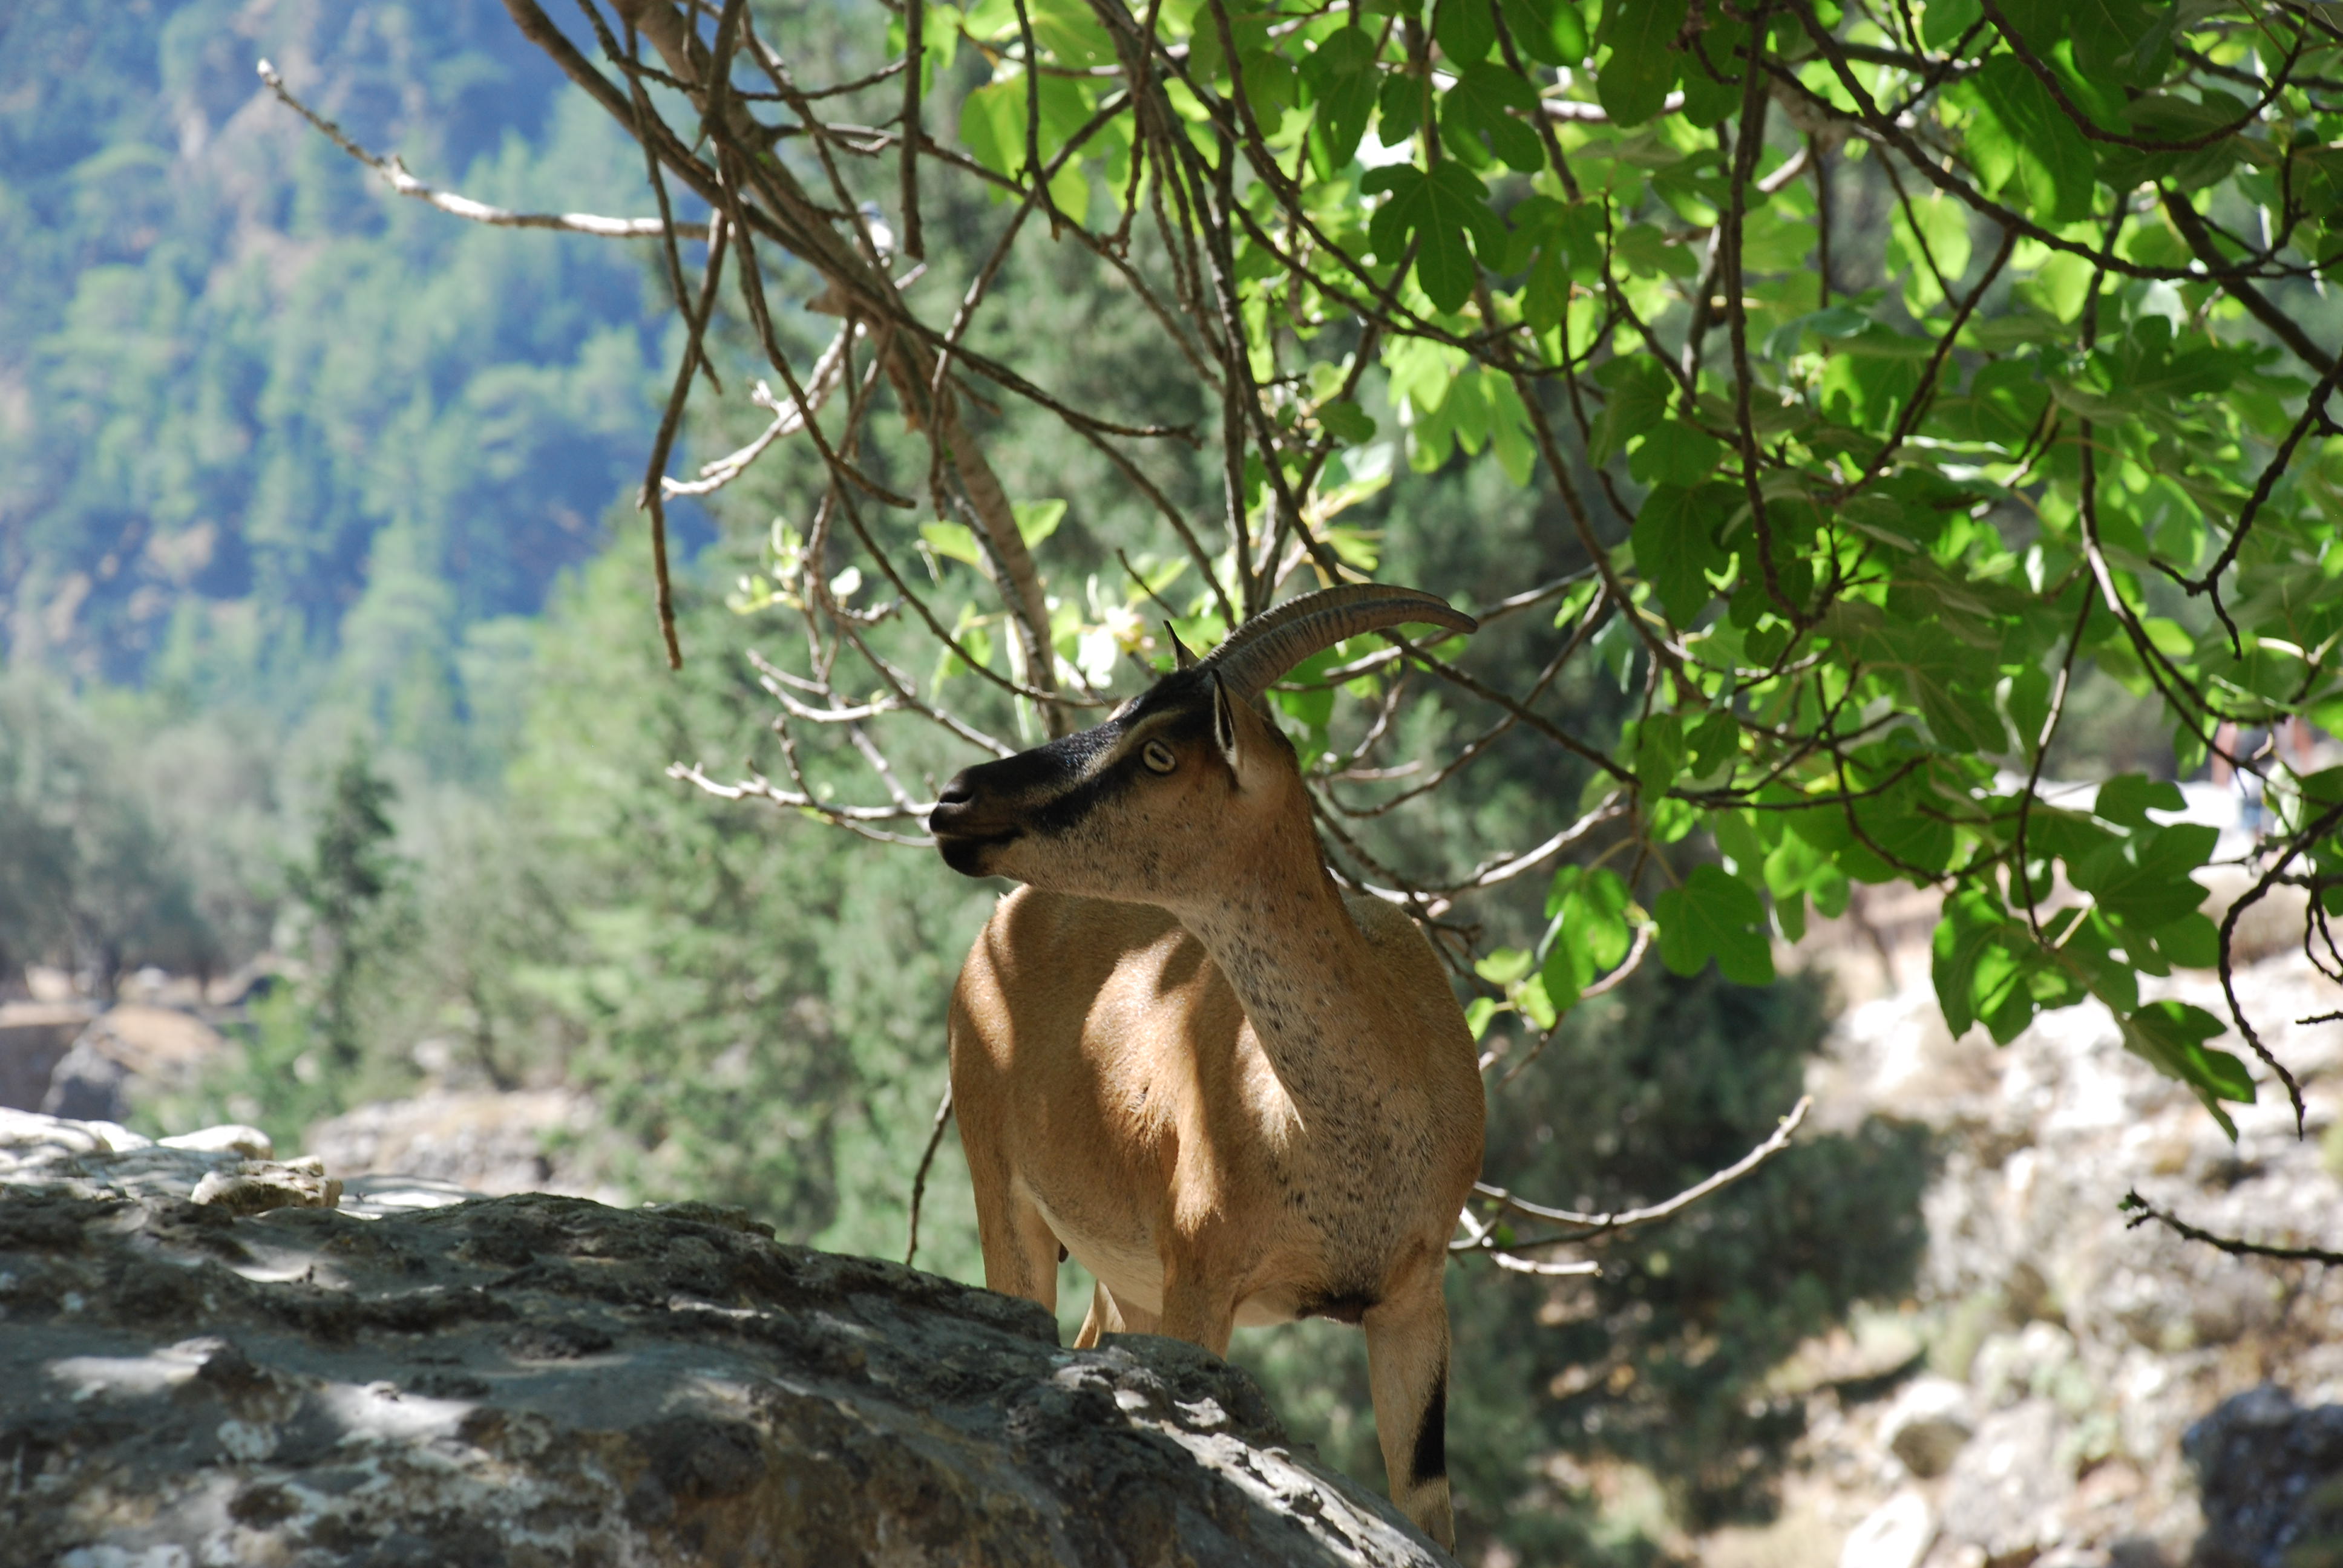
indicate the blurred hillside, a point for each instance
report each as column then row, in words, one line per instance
column 267, row 432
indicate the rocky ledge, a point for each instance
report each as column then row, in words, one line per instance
column 207, row 1356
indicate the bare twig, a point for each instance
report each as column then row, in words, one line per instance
column 927, row 1159
column 2141, row 1211
column 788, row 420
column 1591, row 1227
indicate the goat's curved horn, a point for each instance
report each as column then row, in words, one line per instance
column 1271, row 643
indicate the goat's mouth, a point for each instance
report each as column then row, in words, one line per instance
column 967, row 852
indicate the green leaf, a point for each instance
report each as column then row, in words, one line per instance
column 2023, row 139
column 2170, row 1036
column 1037, row 521
column 1646, row 251
column 1714, row 915
column 1465, row 30
column 953, row 541
column 1399, row 107
column 993, row 126
column 1477, row 105
column 1505, row 966
column 2128, row 797
column 1208, row 59
column 1982, row 964
column 1270, row 83
column 1736, row 839
column 1938, row 230
column 1948, row 683
column 1477, row 1014
column 1637, row 393
column 1675, row 452
column 1711, row 73
column 1596, row 908
column 1943, row 22
column 1675, row 545
column 1438, row 209
column 1564, row 977
column 1714, row 741
column 1339, row 77
column 2191, row 942
column 1538, row 1005
column 1550, row 32
column 1659, row 752
column 1067, row 29
column 1634, row 81
column 1546, row 297
column 2144, row 877
column 2111, row 38
column 2003, row 405
column 1347, row 422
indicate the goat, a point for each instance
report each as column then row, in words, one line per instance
column 1180, row 1055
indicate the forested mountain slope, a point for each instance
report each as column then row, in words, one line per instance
column 253, row 406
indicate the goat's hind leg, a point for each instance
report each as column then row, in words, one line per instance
column 1110, row 1314
column 1407, row 1370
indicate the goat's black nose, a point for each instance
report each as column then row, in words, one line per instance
column 956, row 792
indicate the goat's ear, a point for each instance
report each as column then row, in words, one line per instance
column 1224, row 724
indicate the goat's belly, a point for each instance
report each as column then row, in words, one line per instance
column 1277, row 1306
column 1133, row 1272
column 1129, row 1264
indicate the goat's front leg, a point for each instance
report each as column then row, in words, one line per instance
column 1407, row 1370
column 1021, row 1250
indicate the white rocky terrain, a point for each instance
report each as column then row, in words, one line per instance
column 2061, row 1362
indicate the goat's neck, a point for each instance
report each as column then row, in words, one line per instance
column 1278, row 929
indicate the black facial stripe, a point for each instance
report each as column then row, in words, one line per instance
column 1065, row 812
column 1049, row 781
column 1431, row 1459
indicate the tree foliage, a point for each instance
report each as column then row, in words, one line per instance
column 1850, row 520
column 90, row 880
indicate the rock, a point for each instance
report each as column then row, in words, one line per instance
column 1895, row 1535
column 231, row 1139
column 546, row 1380
column 134, row 1043
column 484, row 1141
column 1869, row 1348
column 257, row 1186
column 2270, row 1478
column 2051, row 1303
column 33, row 1037
column 1927, row 1424
column 98, row 1157
column 2040, row 1359
column 2006, row 1488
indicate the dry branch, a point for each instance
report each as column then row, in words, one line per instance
column 1594, row 1227
column 393, row 174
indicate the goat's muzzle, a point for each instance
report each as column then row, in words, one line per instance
column 965, row 831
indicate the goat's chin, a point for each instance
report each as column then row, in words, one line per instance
column 975, row 856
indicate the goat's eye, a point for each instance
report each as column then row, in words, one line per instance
column 1158, row 757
